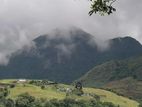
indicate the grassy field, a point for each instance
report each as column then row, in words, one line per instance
column 107, row 96
column 50, row 93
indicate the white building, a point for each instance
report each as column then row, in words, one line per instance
column 22, row 81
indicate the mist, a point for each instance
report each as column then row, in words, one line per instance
column 23, row 20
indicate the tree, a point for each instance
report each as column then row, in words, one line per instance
column 24, row 100
column 78, row 89
column 102, row 7
column 9, row 103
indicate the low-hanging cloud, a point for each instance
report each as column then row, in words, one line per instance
column 23, row 20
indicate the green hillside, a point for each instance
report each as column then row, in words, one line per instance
column 128, row 87
column 52, row 92
column 105, row 73
column 118, row 75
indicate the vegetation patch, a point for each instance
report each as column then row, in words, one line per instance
column 60, row 93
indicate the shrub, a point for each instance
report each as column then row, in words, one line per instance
column 12, row 85
column 42, row 87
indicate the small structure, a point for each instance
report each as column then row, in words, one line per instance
column 22, row 81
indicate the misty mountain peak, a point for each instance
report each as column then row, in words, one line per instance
column 61, row 36
column 126, row 40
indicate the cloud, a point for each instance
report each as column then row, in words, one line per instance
column 23, row 20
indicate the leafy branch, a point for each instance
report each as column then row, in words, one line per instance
column 102, row 7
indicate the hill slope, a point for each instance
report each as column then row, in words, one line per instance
column 70, row 56
column 119, row 75
column 50, row 93
column 129, row 87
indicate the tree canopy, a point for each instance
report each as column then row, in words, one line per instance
column 102, row 7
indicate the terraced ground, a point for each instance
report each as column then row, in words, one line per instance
column 50, row 92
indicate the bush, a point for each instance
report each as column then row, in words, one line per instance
column 24, row 100
column 42, row 87
column 12, row 85
column 9, row 103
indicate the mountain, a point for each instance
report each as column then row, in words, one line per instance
column 66, row 56
column 121, row 76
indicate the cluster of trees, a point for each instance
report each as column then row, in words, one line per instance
column 41, row 82
column 26, row 100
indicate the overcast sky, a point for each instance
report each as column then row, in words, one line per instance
column 23, row 20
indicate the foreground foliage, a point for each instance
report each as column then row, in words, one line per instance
column 102, row 6
column 26, row 100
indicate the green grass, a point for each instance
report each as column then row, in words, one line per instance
column 7, row 80
column 107, row 96
column 48, row 93
column 51, row 93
